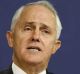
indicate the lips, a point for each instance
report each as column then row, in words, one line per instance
column 34, row 48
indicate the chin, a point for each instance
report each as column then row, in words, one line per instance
column 34, row 60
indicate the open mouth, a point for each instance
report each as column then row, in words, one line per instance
column 34, row 49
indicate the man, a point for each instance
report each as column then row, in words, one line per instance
column 34, row 37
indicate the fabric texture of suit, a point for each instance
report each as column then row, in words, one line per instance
column 9, row 71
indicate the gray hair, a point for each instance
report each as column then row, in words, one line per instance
column 44, row 3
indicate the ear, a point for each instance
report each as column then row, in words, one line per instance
column 9, row 36
column 56, row 46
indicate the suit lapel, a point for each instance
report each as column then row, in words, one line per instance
column 8, row 71
column 48, row 72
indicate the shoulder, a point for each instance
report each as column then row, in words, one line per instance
column 49, row 72
column 7, row 71
column 3, row 71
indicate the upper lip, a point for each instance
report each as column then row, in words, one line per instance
column 34, row 47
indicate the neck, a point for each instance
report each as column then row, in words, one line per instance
column 32, row 68
column 35, row 69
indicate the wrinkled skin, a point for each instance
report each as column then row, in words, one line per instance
column 34, row 38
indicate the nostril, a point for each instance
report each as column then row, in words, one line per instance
column 35, row 40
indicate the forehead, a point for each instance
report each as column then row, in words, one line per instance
column 38, row 14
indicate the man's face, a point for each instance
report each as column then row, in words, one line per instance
column 34, row 37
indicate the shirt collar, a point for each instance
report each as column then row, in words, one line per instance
column 18, row 70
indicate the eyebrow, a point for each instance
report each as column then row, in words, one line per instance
column 29, row 24
column 45, row 26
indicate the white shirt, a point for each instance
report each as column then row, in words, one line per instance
column 17, row 70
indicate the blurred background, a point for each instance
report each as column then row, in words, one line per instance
column 67, row 58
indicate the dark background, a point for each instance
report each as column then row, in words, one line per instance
column 67, row 58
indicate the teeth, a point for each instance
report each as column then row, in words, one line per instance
column 33, row 50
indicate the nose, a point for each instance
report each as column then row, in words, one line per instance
column 36, row 35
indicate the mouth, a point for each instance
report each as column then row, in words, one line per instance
column 34, row 49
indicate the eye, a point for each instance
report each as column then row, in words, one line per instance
column 27, row 29
column 45, row 31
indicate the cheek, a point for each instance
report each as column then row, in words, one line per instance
column 22, row 37
column 48, row 43
column 20, row 46
column 48, row 49
column 20, row 41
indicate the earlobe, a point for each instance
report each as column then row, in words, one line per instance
column 57, row 45
column 9, row 36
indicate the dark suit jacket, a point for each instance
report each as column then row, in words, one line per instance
column 9, row 71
